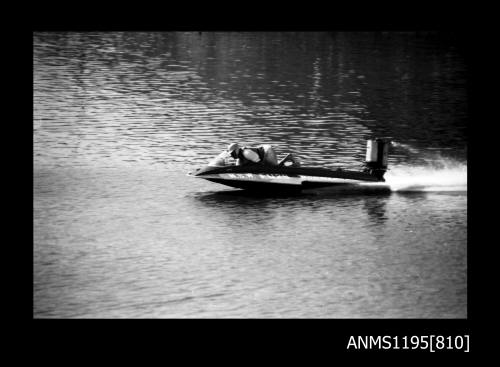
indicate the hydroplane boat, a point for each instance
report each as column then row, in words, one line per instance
column 288, row 175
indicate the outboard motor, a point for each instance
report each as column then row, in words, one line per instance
column 376, row 157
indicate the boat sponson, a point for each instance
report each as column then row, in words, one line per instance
column 290, row 171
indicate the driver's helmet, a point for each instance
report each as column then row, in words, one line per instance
column 233, row 149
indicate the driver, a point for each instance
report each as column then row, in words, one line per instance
column 263, row 154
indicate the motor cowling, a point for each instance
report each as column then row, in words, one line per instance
column 377, row 151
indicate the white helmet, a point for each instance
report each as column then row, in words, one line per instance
column 232, row 147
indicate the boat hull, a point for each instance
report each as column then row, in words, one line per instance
column 279, row 179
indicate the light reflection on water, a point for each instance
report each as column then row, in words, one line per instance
column 119, row 231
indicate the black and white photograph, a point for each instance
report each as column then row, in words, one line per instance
column 217, row 174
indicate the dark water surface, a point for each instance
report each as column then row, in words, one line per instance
column 120, row 231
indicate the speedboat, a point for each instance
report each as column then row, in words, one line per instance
column 288, row 175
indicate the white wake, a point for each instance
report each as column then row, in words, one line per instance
column 439, row 175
